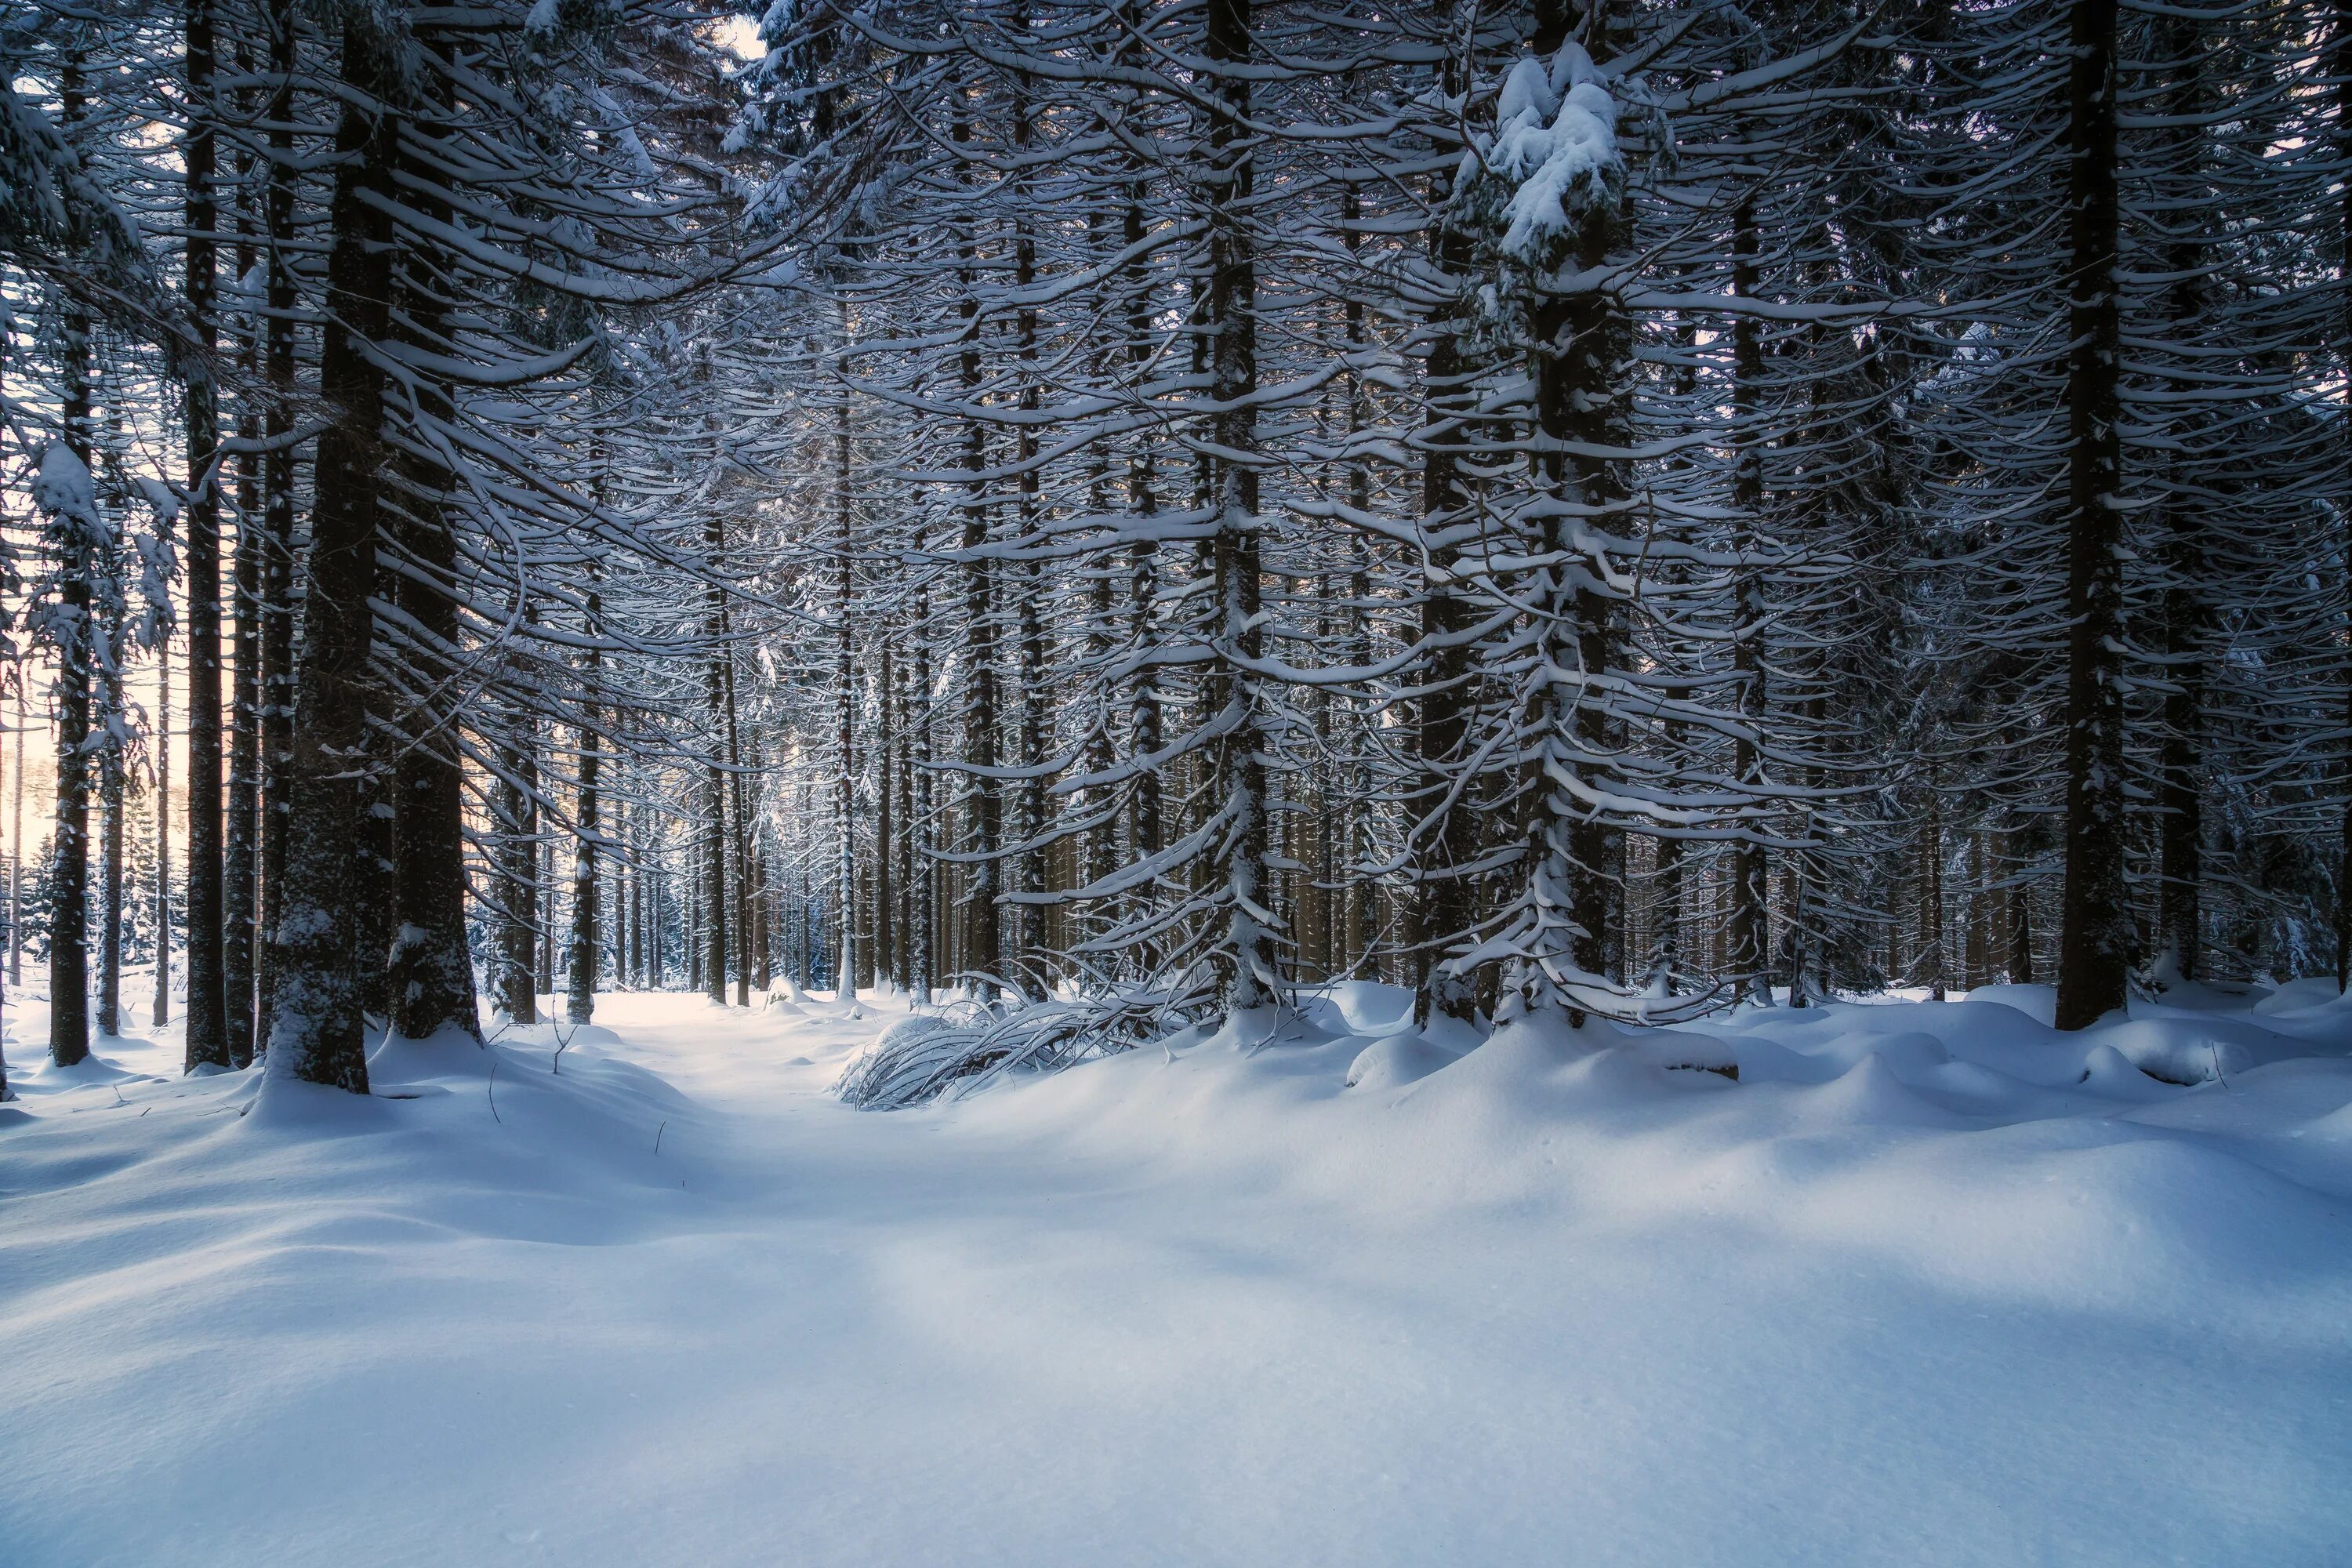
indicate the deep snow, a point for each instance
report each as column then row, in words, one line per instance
column 1928, row 1283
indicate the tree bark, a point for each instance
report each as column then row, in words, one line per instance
column 2188, row 564
column 922, row 952
column 1249, row 951
column 110, row 800
column 72, row 544
column 16, row 844
column 207, row 1017
column 1441, row 907
column 2342, row 63
column 277, row 541
column 983, row 954
column 160, row 1014
column 714, row 787
column 431, row 970
column 2095, row 928
column 240, row 849
column 317, row 1030
column 1750, row 922
column 580, row 1004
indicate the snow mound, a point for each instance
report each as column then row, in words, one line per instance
column 2197, row 1047
column 2039, row 1003
column 1392, row 1061
column 46, row 1076
column 2302, row 995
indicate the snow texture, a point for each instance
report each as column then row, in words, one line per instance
column 1925, row 1282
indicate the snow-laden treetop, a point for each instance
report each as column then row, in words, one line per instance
column 1554, row 144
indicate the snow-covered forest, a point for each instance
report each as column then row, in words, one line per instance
column 1713, row 635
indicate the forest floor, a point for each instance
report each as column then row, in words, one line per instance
column 1929, row 1283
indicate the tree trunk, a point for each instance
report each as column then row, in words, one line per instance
column 2342, row 63
column 580, row 1004
column 277, row 542
column 1931, row 893
column 16, row 846
column 1750, row 921
column 1667, row 890
column 922, row 961
column 73, row 544
column 1582, row 342
column 2188, row 564
column 1441, row 909
column 544, row 908
column 886, row 937
column 907, row 864
column 2095, row 928
column 207, row 1018
column 430, row 970
column 110, row 782
column 318, row 1031
column 241, row 850
column 1144, row 726
column 1248, row 952
column 2020, row 913
column 160, row 1014
column 740, row 791
column 984, row 828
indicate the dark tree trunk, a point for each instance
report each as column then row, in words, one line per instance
column 1931, row 894
column 2096, row 926
column 2180, row 797
column 2342, row 63
column 16, row 844
column 1750, row 922
column 72, row 543
column 738, row 789
column 1144, row 836
column 921, row 957
column 907, row 864
column 544, row 908
column 1028, row 965
column 983, row 955
column 207, row 1017
column 1666, row 890
column 887, row 938
column 277, row 541
column 2020, row 906
column 160, row 1014
column 1249, row 948
column 241, row 850
column 579, row 1004
column 518, row 875
column 1441, row 909
column 714, row 840
column 317, row 1030
column 431, row 971
column 110, row 801
column 1583, row 343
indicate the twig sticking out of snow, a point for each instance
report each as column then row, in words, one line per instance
column 492, row 1086
column 921, row 1057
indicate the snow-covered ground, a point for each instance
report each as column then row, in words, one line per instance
column 1928, row 1283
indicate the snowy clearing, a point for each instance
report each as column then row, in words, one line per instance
column 1928, row 1283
